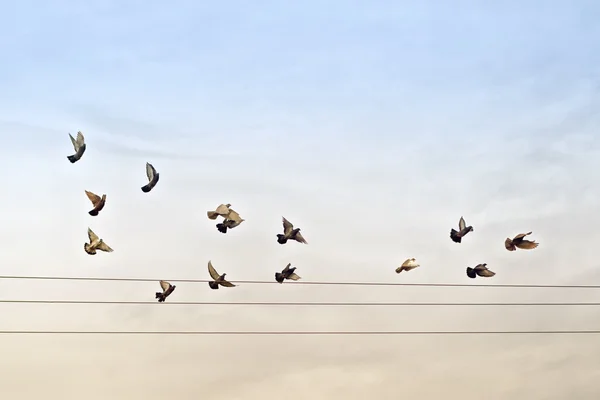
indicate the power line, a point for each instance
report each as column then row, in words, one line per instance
column 292, row 304
column 331, row 283
column 304, row 333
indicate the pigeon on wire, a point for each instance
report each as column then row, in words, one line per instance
column 289, row 233
column 167, row 290
column 95, row 244
column 152, row 178
column 218, row 279
column 287, row 273
column 97, row 201
column 408, row 265
column 520, row 242
column 232, row 220
column 79, row 146
column 479, row 270
column 463, row 229
column 222, row 211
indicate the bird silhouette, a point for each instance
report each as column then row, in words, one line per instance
column 520, row 242
column 95, row 244
column 97, row 202
column 218, row 279
column 79, row 146
column 289, row 233
column 167, row 290
column 463, row 229
column 152, row 178
column 286, row 273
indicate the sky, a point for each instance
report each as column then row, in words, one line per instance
column 372, row 126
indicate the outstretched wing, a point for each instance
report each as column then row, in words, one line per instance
column 74, row 142
column 212, row 271
column 521, row 236
column 93, row 237
column 165, row 285
column 300, row 238
column 94, row 198
column 287, row 268
column 461, row 224
column 485, row 273
column 233, row 216
column 80, row 140
column 150, row 172
column 410, row 262
column 294, row 277
column 527, row 245
column 287, row 226
column 227, row 284
column 104, row 247
column 223, row 209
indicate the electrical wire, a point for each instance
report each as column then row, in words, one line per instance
column 302, row 333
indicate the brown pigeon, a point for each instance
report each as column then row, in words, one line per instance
column 97, row 201
column 152, row 178
column 287, row 273
column 167, row 290
column 463, row 229
column 79, row 146
column 232, row 220
column 95, row 244
column 479, row 270
column 407, row 265
column 222, row 211
column 218, row 279
column 520, row 242
column 289, row 233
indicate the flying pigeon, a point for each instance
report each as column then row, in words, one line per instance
column 463, row 229
column 167, row 290
column 289, row 233
column 152, row 178
column 95, row 244
column 78, row 145
column 408, row 265
column 218, row 279
column 520, row 242
column 479, row 270
column 222, row 211
column 97, row 201
column 287, row 273
column 232, row 220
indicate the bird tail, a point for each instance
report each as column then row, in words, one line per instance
column 279, row 277
column 72, row 158
column 281, row 239
column 93, row 213
column 160, row 296
column 213, row 285
column 222, row 228
column 212, row 215
column 146, row 188
column 471, row 273
column 399, row 269
column 454, row 236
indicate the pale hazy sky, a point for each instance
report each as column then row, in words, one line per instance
column 372, row 125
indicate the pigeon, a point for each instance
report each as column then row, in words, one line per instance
column 408, row 265
column 222, row 211
column 289, row 233
column 218, row 279
column 287, row 273
column 97, row 201
column 152, row 178
column 232, row 220
column 95, row 244
column 79, row 146
column 479, row 270
column 167, row 290
column 520, row 242
column 463, row 229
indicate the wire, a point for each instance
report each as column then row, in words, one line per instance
column 464, row 285
column 265, row 303
column 303, row 333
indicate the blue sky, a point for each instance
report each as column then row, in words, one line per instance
column 373, row 126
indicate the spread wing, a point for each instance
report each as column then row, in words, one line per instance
column 94, row 198
column 527, row 245
column 233, row 216
column 480, row 267
column 80, row 140
column 486, row 273
column 461, row 224
column 294, row 277
column 104, row 247
column 287, row 226
column 287, row 268
column 150, row 172
column 212, row 271
column 93, row 237
column 227, row 284
column 223, row 209
column 521, row 236
column 410, row 262
column 300, row 238
column 165, row 285
column 508, row 243
column 74, row 142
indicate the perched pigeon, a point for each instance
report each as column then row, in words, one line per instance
column 95, row 244
column 222, row 211
column 287, row 273
column 218, row 279
column 232, row 220
column 152, row 178
column 78, row 145
column 408, row 265
column 479, row 270
column 167, row 290
column 289, row 233
column 463, row 229
column 97, row 201
column 520, row 242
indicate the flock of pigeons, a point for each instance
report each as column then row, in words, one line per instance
column 232, row 219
